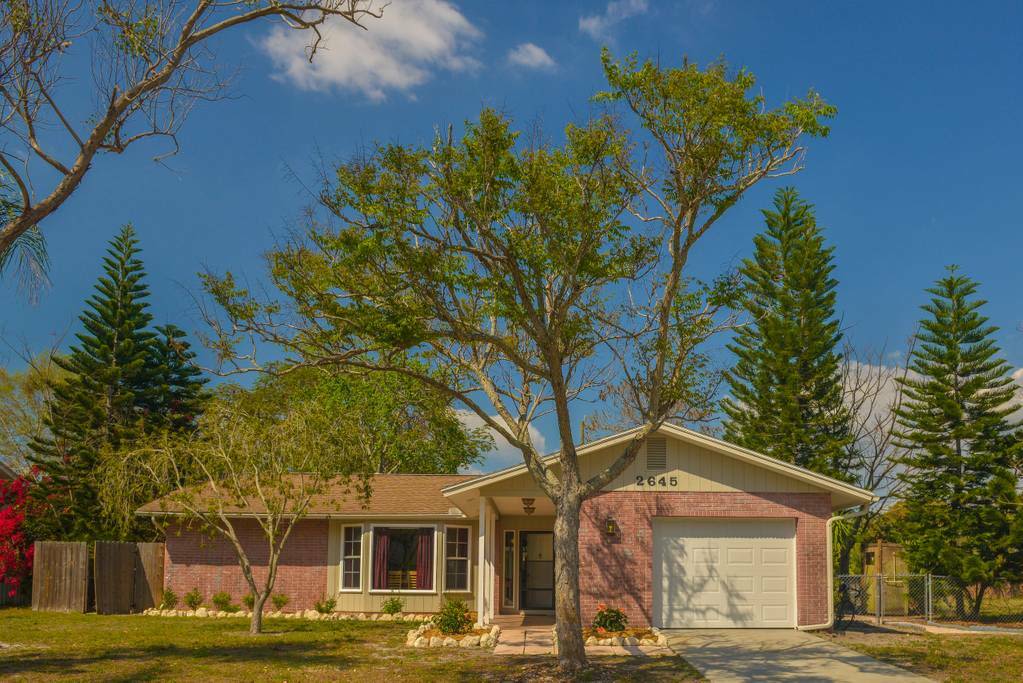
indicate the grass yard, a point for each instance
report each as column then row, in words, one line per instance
column 989, row 658
column 47, row 646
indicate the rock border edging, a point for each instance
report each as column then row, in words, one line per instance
column 415, row 638
column 309, row 615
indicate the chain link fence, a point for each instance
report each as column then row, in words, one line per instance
column 925, row 597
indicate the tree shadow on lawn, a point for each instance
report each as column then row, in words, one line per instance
column 152, row 661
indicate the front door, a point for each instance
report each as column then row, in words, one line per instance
column 536, row 570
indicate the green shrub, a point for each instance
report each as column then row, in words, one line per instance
column 279, row 600
column 393, row 605
column 193, row 598
column 453, row 617
column 249, row 600
column 326, row 606
column 610, row 619
column 222, row 601
column 170, row 599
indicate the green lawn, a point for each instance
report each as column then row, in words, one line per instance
column 48, row 646
column 971, row 658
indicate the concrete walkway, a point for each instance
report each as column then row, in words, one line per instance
column 533, row 636
column 727, row 655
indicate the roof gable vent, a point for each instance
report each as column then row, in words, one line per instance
column 657, row 453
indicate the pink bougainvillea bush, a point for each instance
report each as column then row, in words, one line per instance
column 15, row 546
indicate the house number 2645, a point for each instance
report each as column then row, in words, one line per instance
column 656, row 481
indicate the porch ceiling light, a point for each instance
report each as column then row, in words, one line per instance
column 527, row 505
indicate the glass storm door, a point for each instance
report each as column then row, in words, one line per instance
column 536, row 570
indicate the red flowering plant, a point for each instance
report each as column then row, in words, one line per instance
column 15, row 546
column 609, row 620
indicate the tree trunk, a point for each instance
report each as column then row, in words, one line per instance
column 845, row 558
column 978, row 600
column 256, row 624
column 571, row 649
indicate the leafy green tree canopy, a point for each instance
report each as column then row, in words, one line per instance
column 519, row 277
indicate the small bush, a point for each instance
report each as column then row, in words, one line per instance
column 279, row 600
column 453, row 617
column 170, row 599
column 249, row 600
column 610, row 619
column 393, row 605
column 193, row 598
column 222, row 601
column 326, row 606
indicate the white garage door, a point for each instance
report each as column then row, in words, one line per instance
column 724, row 573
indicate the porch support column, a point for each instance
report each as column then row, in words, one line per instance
column 481, row 566
column 491, row 554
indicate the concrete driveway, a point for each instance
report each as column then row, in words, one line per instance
column 726, row 655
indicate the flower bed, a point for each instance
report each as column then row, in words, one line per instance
column 428, row 635
column 628, row 636
column 638, row 633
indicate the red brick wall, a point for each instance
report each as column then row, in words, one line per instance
column 193, row 560
column 618, row 569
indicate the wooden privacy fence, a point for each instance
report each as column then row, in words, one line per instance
column 123, row 577
column 129, row 576
column 60, row 576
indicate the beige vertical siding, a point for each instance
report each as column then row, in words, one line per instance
column 367, row 601
column 696, row 469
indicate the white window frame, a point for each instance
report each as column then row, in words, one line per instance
column 372, row 555
column 362, row 558
column 467, row 558
column 514, row 569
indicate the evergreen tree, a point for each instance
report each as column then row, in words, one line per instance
column 179, row 386
column 962, row 507
column 122, row 381
column 786, row 386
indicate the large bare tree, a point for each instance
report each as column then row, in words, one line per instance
column 873, row 396
column 526, row 276
column 150, row 63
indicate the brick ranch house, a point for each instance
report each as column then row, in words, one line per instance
column 695, row 533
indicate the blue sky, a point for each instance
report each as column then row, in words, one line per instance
column 922, row 168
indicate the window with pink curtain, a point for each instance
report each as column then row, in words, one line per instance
column 403, row 558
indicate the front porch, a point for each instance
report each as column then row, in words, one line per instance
column 515, row 575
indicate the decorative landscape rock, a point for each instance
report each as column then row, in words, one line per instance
column 309, row 614
column 417, row 638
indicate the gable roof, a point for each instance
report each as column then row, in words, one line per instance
column 393, row 495
column 848, row 494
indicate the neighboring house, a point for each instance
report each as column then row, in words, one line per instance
column 695, row 533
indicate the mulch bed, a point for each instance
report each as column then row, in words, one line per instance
column 638, row 633
column 436, row 632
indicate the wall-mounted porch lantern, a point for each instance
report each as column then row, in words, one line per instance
column 610, row 527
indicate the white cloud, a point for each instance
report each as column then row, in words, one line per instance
column 504, row 454
column 598, row 26
column 530, row 56
column 396, row 53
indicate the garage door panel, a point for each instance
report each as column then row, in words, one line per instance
column 774, row 556
column 724, row 573
column 742, row 584
column 740, row 557
column 774, row 584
